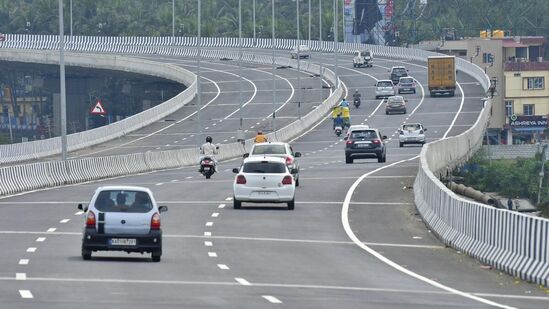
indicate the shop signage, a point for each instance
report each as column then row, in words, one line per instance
column 527, row 122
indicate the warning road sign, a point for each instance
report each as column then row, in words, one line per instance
column 98, row 109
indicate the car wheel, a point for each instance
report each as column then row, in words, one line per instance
column 400, row 144
column 208, row 176
column 404, row 112
column 399, row 92
column 348, row 160
column 386, row 112
column 291, row 204
column 86, row 254
column 384, row 158
column 414, row 91
column 297, row 181
column 377, row 97
column 156, row 255
column 236, row 204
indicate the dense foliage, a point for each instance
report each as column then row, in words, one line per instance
column 220, row 17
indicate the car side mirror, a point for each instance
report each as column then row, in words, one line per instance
column 82, row 207
column 345, row 138
column 424, row 129
column 235, row 170
column 294, row 171
column 162, row 209
column 384, row 137
column 297, row 154
column 246, row 155
column 406, row 101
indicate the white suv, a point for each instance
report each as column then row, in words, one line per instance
column 122, row 218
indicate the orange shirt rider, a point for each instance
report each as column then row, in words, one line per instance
column 260, row 138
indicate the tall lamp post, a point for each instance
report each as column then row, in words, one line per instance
column 63, row 108
column 321, row 46
column 198, row 86
column 336, row 45
column 273, row 68
column 299, row 97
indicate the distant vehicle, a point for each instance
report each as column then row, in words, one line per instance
column 281, row 150
column 365, row 143
column 442, row 75
column 384, row 88
column 122, row 218
column 355, row 127
column 395, row 104
column 398, row 72
column 411, row 133
column 302, row 50
column 363, row 58
column 263, row 180
column 406, row 85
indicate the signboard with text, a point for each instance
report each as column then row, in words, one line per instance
column 528, row 122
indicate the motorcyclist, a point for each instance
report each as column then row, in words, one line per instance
column 338, row 121
column 356, row 95
column 335, row 112
column 344, row 103
column 346, row 114
column 260, row 137
column 209, row 150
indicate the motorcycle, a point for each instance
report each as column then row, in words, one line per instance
column 338, row 130
column 207, row 167
column 356, row 102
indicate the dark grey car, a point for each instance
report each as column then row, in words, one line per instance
column 365, row 143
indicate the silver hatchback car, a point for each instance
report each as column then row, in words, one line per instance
column 384, row 89
column 122, row 218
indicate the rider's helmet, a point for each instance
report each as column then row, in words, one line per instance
column 209, row 139
column 356, row 90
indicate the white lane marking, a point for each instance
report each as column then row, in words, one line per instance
column 20, row 276
column 272, row 299
column 175, row 142
column 223, row 266
column 31, row 249
column 458, row 112
column 51, row 230
column 25, row 294
column 159, row 184
column 64, row 220
column 242, row 281
column 257, row 123
column 221, row 206
column 225, row 140
column 23, row 262
column 209, row 223
column 215, row 215
column 206, row 128
column 207, row 233
column 78, row 213
column 212, row 254
column 247, row 102
column 188, row 177
column 174, row 180
column 164, row 128
column 229, row 199
column 167, row 145
column 347, row 227
column 208, row 243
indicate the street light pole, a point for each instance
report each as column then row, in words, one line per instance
column 321, row 46
column 198, row 86
column 298, row 63
column 336, row 45
column 309, row 32
column 273, row 68
column 173, row 20
column 71, row 19
column 253, row 18
column 62, row 90
column 240, row 60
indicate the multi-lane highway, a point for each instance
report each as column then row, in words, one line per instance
column 354, row 239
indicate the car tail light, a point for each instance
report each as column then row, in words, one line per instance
column 241, row 180
column 287, row 180
column 376, row 142
column 206, row 162
column 420, row 131
column 155, row 221
column 90, row 219
column 350, row 142
column 289, row 160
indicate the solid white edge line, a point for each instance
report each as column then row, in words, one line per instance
column 359, row 243
column 20, row 276
column 25, row 294
column 243, row 281
column 223, row 266
column 272, row 299
column 458, row 112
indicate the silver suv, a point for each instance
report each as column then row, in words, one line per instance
column 384, row 88
column 122, row 218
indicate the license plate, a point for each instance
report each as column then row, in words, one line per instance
column 123, row 241
column 206, row 168
column 264, row 193
column 363, row 145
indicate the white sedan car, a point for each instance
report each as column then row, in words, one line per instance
column 302, row 50
column 263, row 180
column 411, row 133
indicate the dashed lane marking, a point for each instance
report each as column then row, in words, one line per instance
column 51, row 230
column 215, row 215
column 212, row 254
column 223, row 266
column 221, row 206
column 31, row 249
column 25, row 294
column 208, row 243
column 272, row 299
column 229, row 199
column 208, row 234
column 23, row 261
column 20, row 276
column 242, row 281
column 188, row 177
column 78, row 213
column 174, row 180
column 64, row 220
column 209, row 223
column 159, row 184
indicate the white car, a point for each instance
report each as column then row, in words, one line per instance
column 281, row 150
column 304, row 52
column 355, row 127
column 411, row 133
column 263, row 180
column 122, row 218
column 384, row 88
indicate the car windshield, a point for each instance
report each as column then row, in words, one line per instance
column 385, row 84
column 366, row 53
column 123, row 201
column 411, row 127
column 264, row 167
column 407, row 80
column 269, row 149
column 363, row 134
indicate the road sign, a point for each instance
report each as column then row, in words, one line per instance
column 98, row 109
column 2, row 37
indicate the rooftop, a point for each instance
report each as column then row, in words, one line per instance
column 527, row 66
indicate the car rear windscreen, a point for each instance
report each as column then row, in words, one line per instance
column 269, row 149
column 123, row 201
column 406, row 80
column 400, row 71
column 363, row 134
column 385, row 84
column 264, row 167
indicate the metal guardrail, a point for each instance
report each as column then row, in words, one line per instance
column 509, row 241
